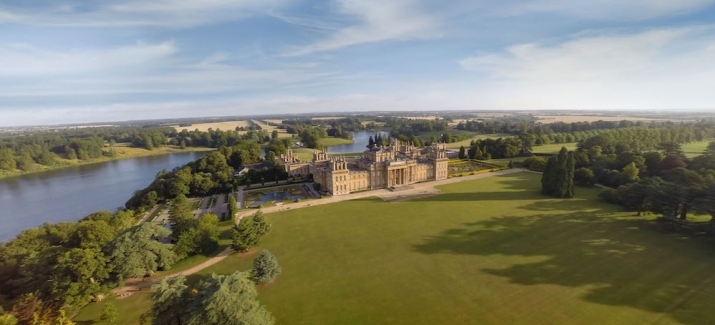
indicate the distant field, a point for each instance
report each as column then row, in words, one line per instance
column 304, row 154
column 429, row 117
column 490, row 252
column 203, row 127
column 590, row 118
column 553, row 148
column 334, row 141
column 327, row 118
column 695, row 149
column 276, row 121
column 378, row 124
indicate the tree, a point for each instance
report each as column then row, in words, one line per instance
column 248, row 232
column 630, row 173
column 635, row 196
column 548, row 178
column 7, row 160
column 109, row 313
column 462, row 154
column 79, row 275
column 558, row 177
column 170, row 299
column 265, row 267
column 181, row 217
column 510, row 165
column 274, row 134
column 244, row 235
column 232, row 206
column 370, row 143
column 137, row 252
column 260, row 224
column 218, row 300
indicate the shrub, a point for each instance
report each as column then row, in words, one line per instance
column 610, row 195
column 584, row 177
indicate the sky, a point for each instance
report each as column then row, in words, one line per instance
column 66, row 61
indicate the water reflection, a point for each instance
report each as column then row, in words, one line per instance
column 74, row 192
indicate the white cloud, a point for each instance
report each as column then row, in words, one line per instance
column 376, row 21
column 31, row 72
column 607, row 9
column 163, row 13
column 24, row 60
column 666, row 68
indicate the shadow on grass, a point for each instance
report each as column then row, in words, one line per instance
column 620, row 262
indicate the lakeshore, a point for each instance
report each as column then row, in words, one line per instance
column 122, row 153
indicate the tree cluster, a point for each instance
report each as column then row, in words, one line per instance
column 558, row 177
column 674, row 187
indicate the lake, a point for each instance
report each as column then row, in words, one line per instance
column 71, row 193
column 360, row 138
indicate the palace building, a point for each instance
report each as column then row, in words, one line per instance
column 380, row 167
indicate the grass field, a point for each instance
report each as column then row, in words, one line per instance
column 553, row 148
column 333, row 141
column 203, row 127
column 490, row 251
column 695, row 149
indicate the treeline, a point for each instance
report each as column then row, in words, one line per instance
column 25, row 152
column 410, row 127
column 217, row 138
column 347, row 124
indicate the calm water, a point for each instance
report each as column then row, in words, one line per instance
column 362, row 138
column 72, row 193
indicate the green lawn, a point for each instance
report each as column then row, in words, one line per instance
column 553, row 148
column 695, row 149
column 489, row 251
column 333, row 141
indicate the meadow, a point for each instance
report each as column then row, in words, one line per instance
column 331, row 141
column 489, row 251
column 204, row 127
column 553, row 148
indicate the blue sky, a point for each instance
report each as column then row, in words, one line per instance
column 64, row 61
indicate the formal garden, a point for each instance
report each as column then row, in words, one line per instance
column 464, row 167
column 272, row 196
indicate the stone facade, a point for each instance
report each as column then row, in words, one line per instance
column 385, row 167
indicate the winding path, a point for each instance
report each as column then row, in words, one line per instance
column 415, row 190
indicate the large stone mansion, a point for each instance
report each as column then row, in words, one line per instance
column 379, row 167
